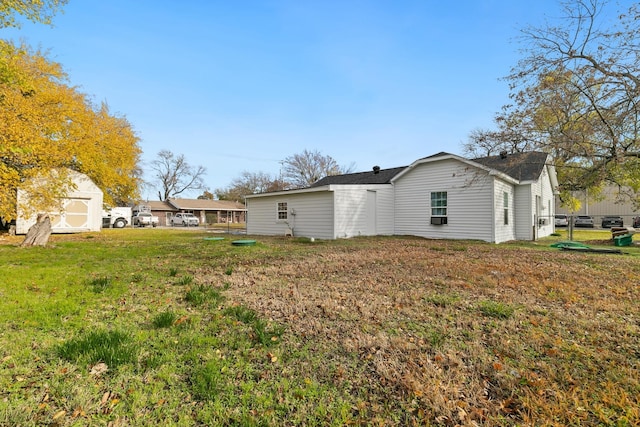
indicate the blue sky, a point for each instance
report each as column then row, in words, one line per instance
column 238, row 86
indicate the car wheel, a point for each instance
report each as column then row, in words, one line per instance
column 119, row 223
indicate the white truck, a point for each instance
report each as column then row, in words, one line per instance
column 142, row 219
column 117, row 217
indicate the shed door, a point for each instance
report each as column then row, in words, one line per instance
column 75, row 215
column 371, row 213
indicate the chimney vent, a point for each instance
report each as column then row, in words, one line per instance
column 376, row 169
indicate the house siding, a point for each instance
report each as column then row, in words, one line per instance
column 536, row 204
column 314, row 214
column 469, row 201
column 543, row 187
column 524, row 212
column 352, row 212
column 504, row 232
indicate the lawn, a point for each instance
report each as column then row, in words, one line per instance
column 164, row 327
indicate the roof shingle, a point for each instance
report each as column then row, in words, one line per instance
column 520, row 166
column 383, row 176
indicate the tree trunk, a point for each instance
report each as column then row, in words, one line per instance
column 38, row 234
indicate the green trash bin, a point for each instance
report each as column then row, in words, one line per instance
column 624, row 240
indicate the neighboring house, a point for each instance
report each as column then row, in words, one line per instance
column 80, row 211
column 207, row 211
column 163, row 210
column 495, row 199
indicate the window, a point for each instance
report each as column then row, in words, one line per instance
column 439, row 203
column 282, row 211
column 506, row 207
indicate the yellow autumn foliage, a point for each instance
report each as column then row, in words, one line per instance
column 46, row 124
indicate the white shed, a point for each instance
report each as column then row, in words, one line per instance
column 80, row 211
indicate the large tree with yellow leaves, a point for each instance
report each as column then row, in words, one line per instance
column 34, row 10
column 46, row 124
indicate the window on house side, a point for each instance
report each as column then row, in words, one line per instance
column 506, row 208
column 282, row 211
column 439, row 203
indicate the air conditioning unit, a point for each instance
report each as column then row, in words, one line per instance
column 438, row 220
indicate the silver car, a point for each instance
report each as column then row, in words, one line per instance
column 583, row 221
column 561, row 220
column 185, row 219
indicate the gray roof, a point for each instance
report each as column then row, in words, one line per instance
column 383, row 176
column 520, row 166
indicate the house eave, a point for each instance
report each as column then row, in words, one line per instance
column 289, row 192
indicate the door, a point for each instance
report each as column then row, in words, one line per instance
column 75, row 216
column 371, row 213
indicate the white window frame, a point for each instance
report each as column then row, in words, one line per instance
column 439, row 209
column 282, row 211
column 505, row 206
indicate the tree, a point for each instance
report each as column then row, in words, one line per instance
column 206, row 195
column 303, row 169
column 41, row 11
column 576, row 95
column 175, row 175
column 250, row 183
column 47, row 127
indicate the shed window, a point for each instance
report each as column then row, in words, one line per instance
column 282, row 211
column 439, row 203
column 506, row 207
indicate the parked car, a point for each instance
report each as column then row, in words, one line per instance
column 185, row 219
column 142, row 219
column 636, row 222
column 583, row 221
column 612, row 221
column 561, row 220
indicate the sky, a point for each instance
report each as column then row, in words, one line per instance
column 240, row 86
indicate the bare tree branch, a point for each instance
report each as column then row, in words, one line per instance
column 175, row 176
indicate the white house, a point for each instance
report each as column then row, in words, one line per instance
column 444, row 196
column 80, row 211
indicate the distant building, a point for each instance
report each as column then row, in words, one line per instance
column 599, row 208
column 207, row 211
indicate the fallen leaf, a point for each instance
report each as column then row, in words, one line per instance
column 99, row 369
column 59, row 415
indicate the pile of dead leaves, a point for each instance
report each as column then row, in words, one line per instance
column 461, row 333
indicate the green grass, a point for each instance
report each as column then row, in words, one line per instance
column 495, row 309
column 388, row 331
column 114, row 348
column 165, row 319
